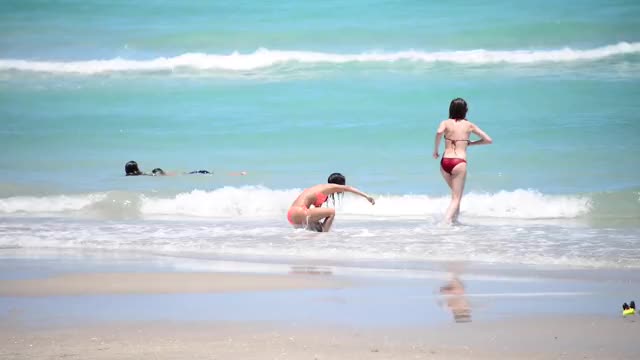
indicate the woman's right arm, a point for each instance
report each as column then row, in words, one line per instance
column 436, row 144
column 347, row 188
column 484, row 138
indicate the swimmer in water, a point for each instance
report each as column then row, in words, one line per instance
column 131, row 169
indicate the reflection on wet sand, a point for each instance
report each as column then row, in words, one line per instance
column 455, row 299
column 310, row 270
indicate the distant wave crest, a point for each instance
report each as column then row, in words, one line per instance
column 265, row 58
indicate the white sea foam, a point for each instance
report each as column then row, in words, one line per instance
column 265, row 58
column 224, row 202
column 394, row 245
column 260, row 202
column 249, row 223
column 48, row 204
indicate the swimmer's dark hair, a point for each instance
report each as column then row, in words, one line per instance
column 338, row 179
column 157, row 172
column 458, row 109
column 131, row 169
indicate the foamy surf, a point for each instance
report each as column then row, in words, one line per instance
column 261, row 202
column 387, row 245
column 265, row 58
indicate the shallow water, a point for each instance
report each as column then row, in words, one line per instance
column 292, row 92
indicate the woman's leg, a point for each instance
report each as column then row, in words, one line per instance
column 458, row 178
column 446, row 177
column 314, row 215
column 314, row 226
column 326, row 225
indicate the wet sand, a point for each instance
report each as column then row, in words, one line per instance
column 58, row 308
column 157, row 283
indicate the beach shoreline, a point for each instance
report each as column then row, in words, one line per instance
column 158, row 312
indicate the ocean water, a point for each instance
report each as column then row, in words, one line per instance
column 292, row 91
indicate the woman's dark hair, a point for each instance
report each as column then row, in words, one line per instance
column 131, row 169
column 157, row 172
column 338, row 179
column 458, row 109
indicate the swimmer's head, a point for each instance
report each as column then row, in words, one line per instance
column 157, row 172
column 337, row 178
column 131, row 169
column 458, row 109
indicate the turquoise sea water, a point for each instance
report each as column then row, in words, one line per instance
column 291, row 92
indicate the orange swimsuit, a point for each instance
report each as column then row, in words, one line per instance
column 320, row 199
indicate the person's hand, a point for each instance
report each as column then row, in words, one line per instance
column 371, row 200
column 436, row 155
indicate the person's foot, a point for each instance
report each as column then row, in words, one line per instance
column 632, row 305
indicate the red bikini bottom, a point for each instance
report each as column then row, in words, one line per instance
column 449, row 163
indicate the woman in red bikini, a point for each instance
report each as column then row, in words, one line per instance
column 453, row 166
column 302, row 215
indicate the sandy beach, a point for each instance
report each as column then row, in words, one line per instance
column 308, row 313
column 523, row 338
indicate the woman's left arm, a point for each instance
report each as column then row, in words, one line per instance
column 484, row 138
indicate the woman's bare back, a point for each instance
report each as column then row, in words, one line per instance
column 456, row 136
column 309, row 195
